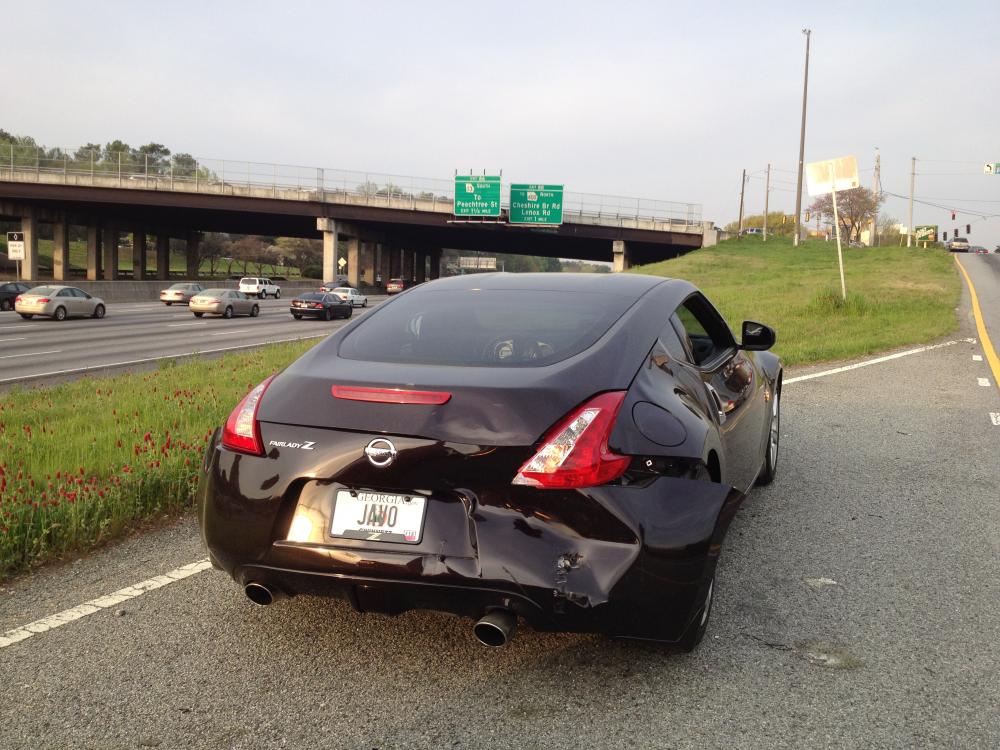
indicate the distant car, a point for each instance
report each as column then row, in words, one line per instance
column 9, row 292
column 395, row 286
column 259, row 287
column 320, row 305
column 329, row 286
column 351, row 296
column 979, row 250
column 224, row 302
column 753, row 230
column 59, row 302
column 180, row 293
column 959, row 245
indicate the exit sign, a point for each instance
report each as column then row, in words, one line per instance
column 477, row 195
column 536, row 204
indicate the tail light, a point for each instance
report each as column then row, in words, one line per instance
column 43, row 301
column 575, row 453
column 242, row 431
column 318, row 305
column 390, row 395
column 17, row 298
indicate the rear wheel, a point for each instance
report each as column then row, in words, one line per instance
column 254, row 311
column 365, row 303
column 349, row 313
column 5, row 305
column 60, row 313
column 99, row 311
column 327, row 314
column 27, row 316
column 262, row 294
column 297, row 316
column 198, row 315
column 168, row 304
column 696, row 630
column 228, row 312
column 277, row 294
column 770, row 468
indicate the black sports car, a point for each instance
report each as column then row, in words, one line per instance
column 565, row 448
column 319, row 305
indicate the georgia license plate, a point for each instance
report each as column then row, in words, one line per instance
column 378, row 517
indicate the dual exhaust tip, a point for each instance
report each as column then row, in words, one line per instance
column 495, row 629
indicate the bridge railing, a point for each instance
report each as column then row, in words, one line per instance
column 184, row 172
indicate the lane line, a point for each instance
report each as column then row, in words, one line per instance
column 876, row 360
column 977, row 357
column 229, row 333
column 88, row 368
column 19, row 325
column 984, row 382
column 181, row 325
column 19, row 338
column 107, row 601
column 995, row 418
column 984, row 336
column 31, row 354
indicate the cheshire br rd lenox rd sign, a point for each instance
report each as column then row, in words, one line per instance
column 536, row 204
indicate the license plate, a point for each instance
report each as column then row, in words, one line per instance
column 378, row 517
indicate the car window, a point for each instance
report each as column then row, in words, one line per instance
column 502, row 328
column 8, row 288
column 79, row 293
column 671, row 341
column 707, row 334
column 65, row 293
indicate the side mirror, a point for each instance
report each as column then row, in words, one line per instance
column 757, row 337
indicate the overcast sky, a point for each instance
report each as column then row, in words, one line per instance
column 660, row 100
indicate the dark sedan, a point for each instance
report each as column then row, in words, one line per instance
column 564, row 448
column 319, row 305
column 9, row 292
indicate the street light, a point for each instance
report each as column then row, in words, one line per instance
column 802, row 146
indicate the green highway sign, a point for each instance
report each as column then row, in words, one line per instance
column 925, row 233
column 536, row 204
column 991, row 167
column 477, row 195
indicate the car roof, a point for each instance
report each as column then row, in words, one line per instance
column 631, row 284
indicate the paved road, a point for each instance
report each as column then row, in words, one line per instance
column 857, row 608
column 134, row 332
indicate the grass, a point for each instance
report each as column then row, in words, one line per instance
column 82, row 461
column 896, row 295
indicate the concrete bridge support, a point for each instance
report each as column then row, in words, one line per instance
column 139, row 255
column 60, row 250
column 29, row 266
column 368, row 259
column 354, row 261
column 407, row 271
column 109, row 244
column 191, row 254
column 621, row 259
column 93, row 252
column 421, row 267
column 384, row 272
column 329, row 229
column 435, row 264
column 395, row 262
column 162, row 256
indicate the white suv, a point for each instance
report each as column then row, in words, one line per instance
column 259, row 287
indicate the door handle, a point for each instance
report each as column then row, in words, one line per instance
column 720, row 412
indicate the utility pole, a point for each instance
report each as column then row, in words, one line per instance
column 767, row 192
column 876, row 192
column 909, row 217
column 802, row 145
column 743, row 184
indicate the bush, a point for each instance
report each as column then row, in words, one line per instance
column 312, row 272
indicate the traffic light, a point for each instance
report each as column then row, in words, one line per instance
column 784, row 218
column 953, row 216
column 968, row 229
column 808, row 215
column 945, row 235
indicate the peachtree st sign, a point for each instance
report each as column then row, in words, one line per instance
column 477, row 195
column 536, row 204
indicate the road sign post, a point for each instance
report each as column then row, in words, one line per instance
column 477, row 195
column 536, row 204
column 827, row 176
column 926, row 233
column 15, row 250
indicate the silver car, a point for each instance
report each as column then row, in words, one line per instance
column 59, row 302
column 351, row 296
column 181, row 293
column 224, row 302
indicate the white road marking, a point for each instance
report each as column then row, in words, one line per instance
column 163, row 356
column 19, row 325
column 977, row 357
column 876, row 361
column 181, row 325
column 30, row 354
column 104, row 602
column 984, row 382
column 19, row 338
column 227, row 333
column 995, row 418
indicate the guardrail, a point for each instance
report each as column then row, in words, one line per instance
column 186, row 173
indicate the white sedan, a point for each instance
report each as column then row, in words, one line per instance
column 351, row 296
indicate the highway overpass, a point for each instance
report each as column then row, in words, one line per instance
column 388, row 226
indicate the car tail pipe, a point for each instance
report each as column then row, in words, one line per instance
column 262, row 594
column 496, row 628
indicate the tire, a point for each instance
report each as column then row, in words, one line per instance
column 26, row 316
column 770, row 468
column 277, row 294
column 254, row 311
column 698, row 627
column 350, row 312
column 297, row 316
column 198, row 315
column 262, row 294
column 228, row 313
column 327, row 314
column 99, row 312
column 60, row 313
column 6, row 305
column 168, row 304
column 365, row 303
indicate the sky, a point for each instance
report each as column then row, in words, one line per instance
column 665, row 100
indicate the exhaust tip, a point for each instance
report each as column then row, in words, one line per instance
column 496, row 628
column 258, row 593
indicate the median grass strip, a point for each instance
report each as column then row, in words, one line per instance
column 895, row 295
column 82, row 461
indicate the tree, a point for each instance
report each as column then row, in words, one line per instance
column 300, row 252
column 779, row 223
column 248, row 249
column 213, row 247
column 855, row 207
column 155, row 155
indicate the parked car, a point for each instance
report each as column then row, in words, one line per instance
column 320, row 305
column 181, row 293
column 351, row 296
column 959, row 245
column 571, row 454
column 224, row 302
column 58, row 302
column 259, row 287
column 395, row 286
column 9, row 292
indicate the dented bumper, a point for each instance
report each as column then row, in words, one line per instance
column 626, row 561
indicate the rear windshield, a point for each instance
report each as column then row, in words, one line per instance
column 248, row 281
column 45, row 290
column 501, row 328
column 312, row 295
